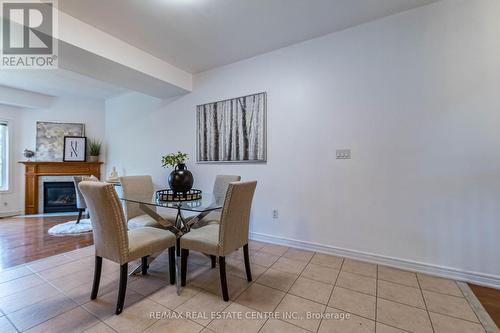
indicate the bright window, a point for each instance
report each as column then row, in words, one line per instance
column 4, row 156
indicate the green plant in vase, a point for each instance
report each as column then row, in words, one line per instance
column 174, row 159
column 180, row 179
column 94, row 150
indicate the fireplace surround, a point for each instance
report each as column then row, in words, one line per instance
column 34, row 171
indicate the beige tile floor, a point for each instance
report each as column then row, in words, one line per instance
column 293, row 291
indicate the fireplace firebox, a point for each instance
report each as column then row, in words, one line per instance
column 59, row 197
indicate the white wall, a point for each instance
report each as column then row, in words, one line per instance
column 416, row 98
column 23, row 131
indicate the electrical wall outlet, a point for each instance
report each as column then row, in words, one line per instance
column 275, row 214
column 343, row 154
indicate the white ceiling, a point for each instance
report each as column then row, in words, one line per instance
column 196, row 35
column 59, row 83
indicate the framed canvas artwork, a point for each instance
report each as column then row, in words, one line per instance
column 233, row 130
column 50, row 139
column 75, row 149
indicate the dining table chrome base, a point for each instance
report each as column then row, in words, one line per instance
column 180, row 227
column 138, row 269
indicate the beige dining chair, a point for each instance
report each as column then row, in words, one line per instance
column 220, row 186
column 113, row 242
column 141, row 187
column 80, row 201
column 219, row 192
column 222, row 238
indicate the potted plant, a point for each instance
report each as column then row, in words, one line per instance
column 94, row 150
column 180, row 179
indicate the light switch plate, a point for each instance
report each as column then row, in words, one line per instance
column 343, row 154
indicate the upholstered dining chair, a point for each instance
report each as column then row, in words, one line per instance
column 219, row 192
column 222, row 238
column 113, row 242
column 221, row 184
column 141, row 187
column 80, row 201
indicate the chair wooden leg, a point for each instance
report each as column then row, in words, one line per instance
column 80, row 213
column 223, row 278
column 214, row 261
column 247, row 263
column 171, row 264
column 144, row 265
column 122, row 289
column 97, row 277
column 184, row 259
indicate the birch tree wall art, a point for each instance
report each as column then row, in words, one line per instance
column 232, row 130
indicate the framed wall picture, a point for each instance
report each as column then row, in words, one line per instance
column 75, row 149
column 233, row 130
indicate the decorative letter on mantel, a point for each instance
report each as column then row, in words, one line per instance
column 75, row 149
column 232, row 130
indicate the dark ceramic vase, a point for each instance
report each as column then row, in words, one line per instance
column 181, row 179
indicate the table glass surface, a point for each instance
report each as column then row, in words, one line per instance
column 205, row 204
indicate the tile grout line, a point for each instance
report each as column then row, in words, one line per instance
column 298, row 276
column 425, row 303
column 199, row 291
column 331, row 293
column 100, row 322
column 255, row 282
column 286, row 292
column 454, row 317
column 260, row 329
column 178, row 312
column 93, row 315
column 46, row 319
column 376, row 302
column 10, row 321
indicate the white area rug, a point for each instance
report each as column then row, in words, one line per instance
column 71, row 227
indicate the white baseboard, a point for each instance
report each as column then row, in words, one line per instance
column 447, row 272
column 9, row 214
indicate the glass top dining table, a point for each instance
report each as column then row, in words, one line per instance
column 181, row 225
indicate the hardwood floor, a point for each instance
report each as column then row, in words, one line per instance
column 26, row 239
column 490, row 299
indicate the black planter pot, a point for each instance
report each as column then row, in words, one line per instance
column 181, row 179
